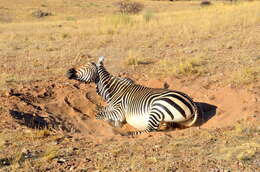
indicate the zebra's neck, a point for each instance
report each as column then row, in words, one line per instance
column 108, row 86
column 103, row 82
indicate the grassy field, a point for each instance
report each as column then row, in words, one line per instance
column 211, row 51
column 179, row 39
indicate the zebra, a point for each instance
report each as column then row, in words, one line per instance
column 142, row 107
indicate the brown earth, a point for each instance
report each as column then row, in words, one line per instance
column 76, row 103
column 67, row 108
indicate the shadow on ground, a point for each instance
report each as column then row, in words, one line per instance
column 32, row 120
column 207, row 111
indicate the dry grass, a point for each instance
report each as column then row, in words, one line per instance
column 177, row 37
column 167, row 34
column 183, row 67
column 51, row 153
column 220, row 148
column 247, row 75
column 240, row 147
column 28, row 148
column 134, row 59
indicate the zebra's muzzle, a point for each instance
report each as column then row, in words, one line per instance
column 71, row 73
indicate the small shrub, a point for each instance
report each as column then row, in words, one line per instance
column 148, row 14
column 51, row 153
column 192, row 66
column 135, row 59
column 40, row 14
column 247, row 76
column 187, row 67
column 65, row 35
column 71, row 19
column 129, row 7
column 43, row 133
column 132, row 60
column 122, row 19
column 205, row 3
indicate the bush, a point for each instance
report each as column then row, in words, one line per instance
column 205, row 3
column 130, row 7
column 148, row 14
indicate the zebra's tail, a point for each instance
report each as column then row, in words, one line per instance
column 198, row 115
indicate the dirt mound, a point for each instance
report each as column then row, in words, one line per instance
column 71, row 106
column 60, row 106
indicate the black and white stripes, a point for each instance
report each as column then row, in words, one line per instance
column 142, row 107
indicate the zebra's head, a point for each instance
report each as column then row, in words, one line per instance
column 87, row 73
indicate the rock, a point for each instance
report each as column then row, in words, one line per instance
column 166, row 85
column 27, row 153
column 88, row 160
column 92, row 169
column 61, row 160
column 40, row 14
column 5, row 162
column 189, row 51
column 75, row 149
column 229, row 47
column 212, row 97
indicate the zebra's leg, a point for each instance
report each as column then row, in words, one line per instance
column 115, row 123
column 113, row 117
column 135, row 133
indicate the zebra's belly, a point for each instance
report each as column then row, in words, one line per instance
column 138, row 121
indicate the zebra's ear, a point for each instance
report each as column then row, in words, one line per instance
column 100, row 60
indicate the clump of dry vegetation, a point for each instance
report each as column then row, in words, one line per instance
column 191, row 66
column 205, row 3
column 129, row 7
column 133, row 59
column 148, row 15
column 39, row 14
column 183, row 67
column 247, row 75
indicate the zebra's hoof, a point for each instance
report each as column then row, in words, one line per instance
column 113, row 123
column 118, row 124
column 99, row 116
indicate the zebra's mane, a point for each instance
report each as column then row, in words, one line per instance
column 113, row 79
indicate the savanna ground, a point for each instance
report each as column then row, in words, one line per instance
column 210, row 52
